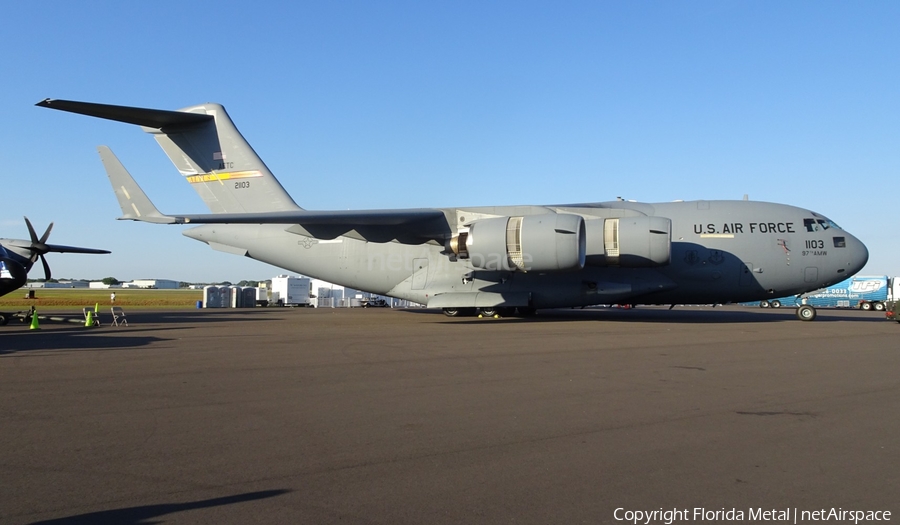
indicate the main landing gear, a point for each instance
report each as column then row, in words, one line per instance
column 459, row 312
column 491, row 311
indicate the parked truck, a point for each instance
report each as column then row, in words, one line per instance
column 865, row 292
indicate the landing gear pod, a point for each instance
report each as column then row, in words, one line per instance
column 534, row 243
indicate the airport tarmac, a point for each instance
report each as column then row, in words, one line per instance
column 401, row 416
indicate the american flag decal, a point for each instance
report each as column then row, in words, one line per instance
column 218, row 156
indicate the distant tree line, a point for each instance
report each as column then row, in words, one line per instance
column 112, row 281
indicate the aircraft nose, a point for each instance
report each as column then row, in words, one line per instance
column 857, row 255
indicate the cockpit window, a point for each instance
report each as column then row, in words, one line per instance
column 815, row 225
column 830, row 223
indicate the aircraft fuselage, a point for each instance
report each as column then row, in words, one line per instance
column 719, row 251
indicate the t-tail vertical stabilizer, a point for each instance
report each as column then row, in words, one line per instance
column 207, row 149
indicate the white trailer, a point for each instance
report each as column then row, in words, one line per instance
column 291, row 291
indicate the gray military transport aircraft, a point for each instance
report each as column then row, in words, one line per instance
column 496, row 260
column 17, row 256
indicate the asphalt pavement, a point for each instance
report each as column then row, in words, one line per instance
column 380, row 416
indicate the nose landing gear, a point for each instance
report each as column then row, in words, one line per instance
column 806, row 312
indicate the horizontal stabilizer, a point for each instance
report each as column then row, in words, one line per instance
column 151, row 118
column 134, row 202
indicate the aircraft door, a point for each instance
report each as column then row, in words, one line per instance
column 811, row 274
column 420, row 274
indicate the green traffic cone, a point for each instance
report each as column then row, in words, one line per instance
column 90, row 319
column 34, row 321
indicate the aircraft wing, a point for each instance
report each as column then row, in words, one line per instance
column 418, row 223
column 314, row 218
column 409, row 226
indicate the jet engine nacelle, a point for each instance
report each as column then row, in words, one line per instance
column 629, row 242
column 551, row 242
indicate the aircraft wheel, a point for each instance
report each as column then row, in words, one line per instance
column 879, row 307
column 776, row 304
column 459, row 312
column 764, row 304
column 865, row 306
column 806, row 313
column 3, row 319
column 489, row 312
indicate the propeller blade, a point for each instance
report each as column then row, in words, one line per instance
column 46, row 233
column 34, row 237
column 46, row 268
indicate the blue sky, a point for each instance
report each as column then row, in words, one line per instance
column 418, row 104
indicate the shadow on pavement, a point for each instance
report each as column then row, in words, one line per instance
column 70, row 339
column 202, row 316
column 143, row 514
column 660, row 315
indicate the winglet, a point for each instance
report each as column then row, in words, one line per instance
column 132, row 199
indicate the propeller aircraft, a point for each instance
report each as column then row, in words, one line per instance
column 17, row 256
